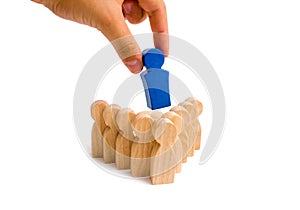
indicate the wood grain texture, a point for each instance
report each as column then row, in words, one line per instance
column 189, row 126
column 97, row 142
column 123, row 152
column 110, row 133
column 166, row 153
column 142, row 147
column 141, row 159
column 177, row 121
column 198, row 110
column 125, row 138
column 150, row 143
column 184, row 135
column 198, row 134
column 99, row 126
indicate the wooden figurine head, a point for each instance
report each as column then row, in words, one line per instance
column 197, row 105
column 190, row 108
column 176, row 120
column 142, row 127
column 124, row 120
column 109, row 115
column 154, row 114
column 97, row 109
column 145, row 112
column 183, row 113
column 165, row 132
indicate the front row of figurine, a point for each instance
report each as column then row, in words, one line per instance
column 149, row 143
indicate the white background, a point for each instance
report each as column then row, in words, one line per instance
column 255, row 49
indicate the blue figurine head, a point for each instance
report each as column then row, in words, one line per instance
column 153, row 58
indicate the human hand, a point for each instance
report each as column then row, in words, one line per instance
column 109, row 16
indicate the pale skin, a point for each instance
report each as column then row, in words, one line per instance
column 108, row 16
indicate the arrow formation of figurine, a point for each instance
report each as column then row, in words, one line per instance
column 149, row 143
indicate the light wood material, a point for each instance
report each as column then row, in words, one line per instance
column 198, row 110
column 198, row 134
column 124, row 120
column 177, row 121
column 166, row 153
column 110, row 133
column 149, row 143
column 184, row 134
column 142, row 147
column 99, row 126
column 154, row 114
column 190, row 129
column 97, row 143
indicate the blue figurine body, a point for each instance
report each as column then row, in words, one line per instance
column 155, row 79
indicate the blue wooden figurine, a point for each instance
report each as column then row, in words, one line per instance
column 155, row 79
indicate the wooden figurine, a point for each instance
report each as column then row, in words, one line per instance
column 154, row 114
column 124, row 120
column 177, row 121
column 142, row 146
column 189, row 128
column 110, row 133
column 184, row 135
column 98, row 128
column 166, row 153
column 195, row 122
column 97, row 142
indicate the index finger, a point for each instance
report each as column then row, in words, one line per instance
column 156, row 10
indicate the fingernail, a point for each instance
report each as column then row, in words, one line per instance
column 127, row 8
column 134, row 66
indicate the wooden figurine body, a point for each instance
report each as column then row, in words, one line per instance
column 189, row 127
column 124, row 120
column 195, row 122
column 184, row 134
column 198, row 134
column 97, row 142
column 110, row 133
column 142, row 146
column 177, row 121
column 166, row 153
column 99, row 126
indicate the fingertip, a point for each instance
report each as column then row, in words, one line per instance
column 37, row 1
column 166, row 53
column 161, row 41
column 134, row 64
column 130, row 53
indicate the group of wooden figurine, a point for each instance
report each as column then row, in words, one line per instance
column 149, row 143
